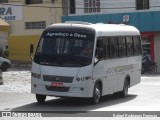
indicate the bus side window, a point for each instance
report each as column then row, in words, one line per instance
column 129, row 43
column 113, row 47
column 100, row 49
column 137, row 45
column 107, row 48
column 122, row 46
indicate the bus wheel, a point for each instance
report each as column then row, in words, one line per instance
column 124, row 92
column 96, row 94
column 40, row 98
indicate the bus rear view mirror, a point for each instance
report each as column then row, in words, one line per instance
column 31, row 50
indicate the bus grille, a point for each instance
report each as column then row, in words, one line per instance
column 57, row 89
column 51, row 78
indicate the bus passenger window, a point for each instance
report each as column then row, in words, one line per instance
column 129, row 43
column 122, row 46
column 113, row 47
column 106, row 48
column 137, row 45
column 100, row 51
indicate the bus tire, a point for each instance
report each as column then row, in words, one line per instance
column 40, row 98
column 96, row 94
column 124, row 92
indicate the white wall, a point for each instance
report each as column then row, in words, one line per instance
column 115, row 4
column 156, row 49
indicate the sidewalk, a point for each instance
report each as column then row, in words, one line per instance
column 150, row 75
column 21, row 64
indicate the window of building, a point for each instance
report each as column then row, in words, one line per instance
column 35, row 25
column 142, row 4
column 34, row 1
column 72, row 7
column 129, row 43
column 122, row 46
column 3, row 1
column 92, row 6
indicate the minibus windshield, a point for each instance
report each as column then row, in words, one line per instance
column 67, row 49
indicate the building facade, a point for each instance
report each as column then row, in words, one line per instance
column 27, row 20
column 143, row 14
column 4, row 28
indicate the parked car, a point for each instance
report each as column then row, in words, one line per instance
column 1, row 79
column 4, row 64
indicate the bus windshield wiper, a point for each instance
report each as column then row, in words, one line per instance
column 75, row 58
column 47, row 58
column 44, row 55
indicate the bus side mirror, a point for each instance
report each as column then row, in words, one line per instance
column 99, row 55
column 31, row 50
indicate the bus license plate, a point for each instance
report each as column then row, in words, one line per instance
column 57, row 84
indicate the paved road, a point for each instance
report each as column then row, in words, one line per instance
column 142, row 97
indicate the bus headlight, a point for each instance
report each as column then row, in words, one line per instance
column 83, row 78
column 35, row 75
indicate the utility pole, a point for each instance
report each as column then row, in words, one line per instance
column 53, row 10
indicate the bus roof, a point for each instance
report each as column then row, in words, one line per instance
column 100, row 28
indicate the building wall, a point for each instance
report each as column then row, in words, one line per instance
column 4, row 28
column 116, row 6
column 3, row 39
column 157, row 49
column 31, row 14
column 19, row 37
column 144, row 21
column 19, row 47
column 65, row 9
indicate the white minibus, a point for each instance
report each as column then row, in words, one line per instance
column 80, row 59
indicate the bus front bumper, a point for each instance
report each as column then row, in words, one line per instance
column 81, row 90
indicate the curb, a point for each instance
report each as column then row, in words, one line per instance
column 20, row 64
column 1, row 78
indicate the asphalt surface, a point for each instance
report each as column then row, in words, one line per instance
column 142, row 97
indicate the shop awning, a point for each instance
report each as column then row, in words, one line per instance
column 4, row 26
